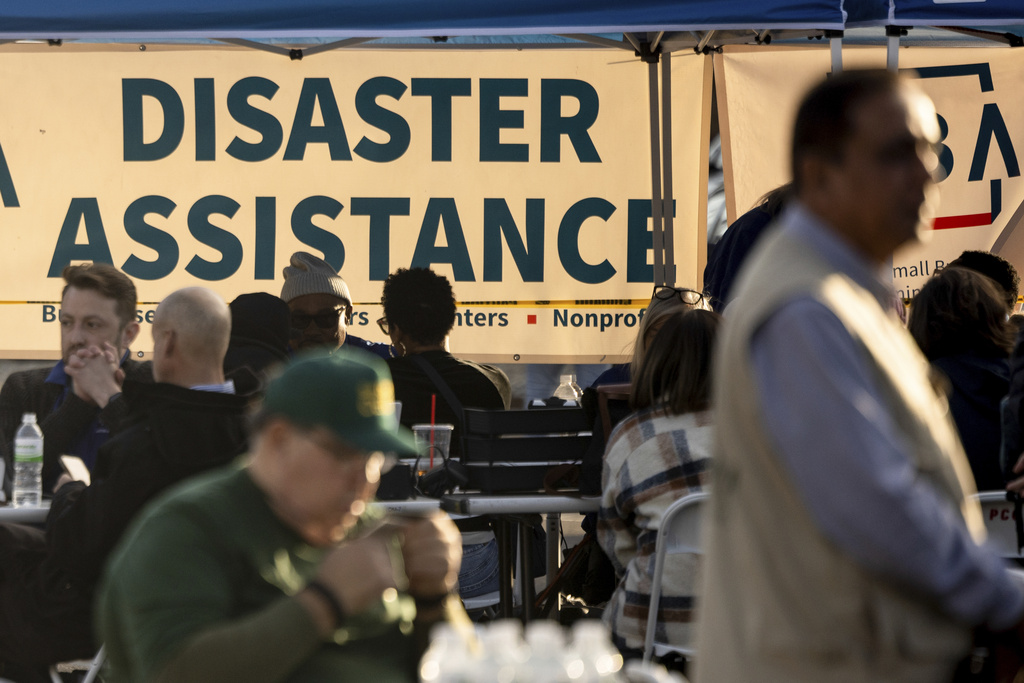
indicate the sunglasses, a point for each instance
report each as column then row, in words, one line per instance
column 324, row 320
column 690, row 297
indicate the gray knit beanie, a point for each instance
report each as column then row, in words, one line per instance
column 308, row 274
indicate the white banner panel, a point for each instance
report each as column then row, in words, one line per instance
column 523, row 176
column 979, row 95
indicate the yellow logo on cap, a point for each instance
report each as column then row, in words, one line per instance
column 374, row 399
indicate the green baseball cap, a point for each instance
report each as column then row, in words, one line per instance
column 349, row 392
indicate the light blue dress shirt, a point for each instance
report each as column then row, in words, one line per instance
column 848, row 459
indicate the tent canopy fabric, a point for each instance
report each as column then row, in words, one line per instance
column 956, row 12
column 94, row 19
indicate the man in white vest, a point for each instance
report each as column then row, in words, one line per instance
column 841, row 544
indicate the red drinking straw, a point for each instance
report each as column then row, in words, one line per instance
column 433, row 414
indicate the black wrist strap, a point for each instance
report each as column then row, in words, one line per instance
column 329, row 599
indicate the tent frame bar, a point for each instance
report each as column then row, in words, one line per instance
column 1011, row 39
column 291, row 52
column 597, row 40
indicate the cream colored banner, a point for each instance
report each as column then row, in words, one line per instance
column 979, row 95
column 523, row 176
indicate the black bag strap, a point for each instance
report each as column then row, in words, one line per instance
column 442, row 388
column 453, row 473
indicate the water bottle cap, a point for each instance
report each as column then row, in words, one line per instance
column 567, row 379
column 28, row 417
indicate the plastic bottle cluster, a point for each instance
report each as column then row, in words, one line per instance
column 499, row 652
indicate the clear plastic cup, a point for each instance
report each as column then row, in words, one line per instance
column 434, row 442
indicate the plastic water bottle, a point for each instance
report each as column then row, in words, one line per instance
column 28, row 463
column 602, row 662
column 548, row 661
column 503, row 653
column 567, row 389
column 448, row 659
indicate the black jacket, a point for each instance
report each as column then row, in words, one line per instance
column 28, row 392
column 170, row 433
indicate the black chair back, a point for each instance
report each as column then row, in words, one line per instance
column 514, row 450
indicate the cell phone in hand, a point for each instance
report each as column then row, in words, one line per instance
column 76, row 468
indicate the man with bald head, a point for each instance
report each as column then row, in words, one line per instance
column 189, row 421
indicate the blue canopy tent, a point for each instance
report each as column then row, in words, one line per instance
column 978, row 19
column 104, row 19
column 962, row 13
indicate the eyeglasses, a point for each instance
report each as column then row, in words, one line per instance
column 690, row 297
column 325, row 320
column 385, row 327
column 375, row 463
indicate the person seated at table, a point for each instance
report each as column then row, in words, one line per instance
column 959, row 319
column 260, row 325
column 189, row 421
column 321, row 307
column 665, row 301
column 77, row 410
column 277, row 571
column 658, row 454
column 419, row 314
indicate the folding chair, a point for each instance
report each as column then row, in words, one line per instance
column 506, row 451
column 1000, row 522
column 679, row 533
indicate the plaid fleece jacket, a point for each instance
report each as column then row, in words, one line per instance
column 652, row 459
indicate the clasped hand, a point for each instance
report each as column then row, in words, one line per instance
column 359, row 571
column 96, row 373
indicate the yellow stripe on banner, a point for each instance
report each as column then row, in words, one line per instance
column 557, row 303
column 57, row 303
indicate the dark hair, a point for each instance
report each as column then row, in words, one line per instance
column 824, row 121
column 999, row 269
column 957, row 311
column 109, row 282
column 676, row 371
column 656, row 311
column 420, row 302
column 774, row 201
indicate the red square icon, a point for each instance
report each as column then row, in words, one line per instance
column 531, row 319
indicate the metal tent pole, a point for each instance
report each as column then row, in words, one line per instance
column 668, row 239
column 656, row 198
column 835, row 43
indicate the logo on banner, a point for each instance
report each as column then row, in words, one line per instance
column 992, row 129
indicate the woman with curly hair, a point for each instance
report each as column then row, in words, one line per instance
column 419, row 313
column 959, row 319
